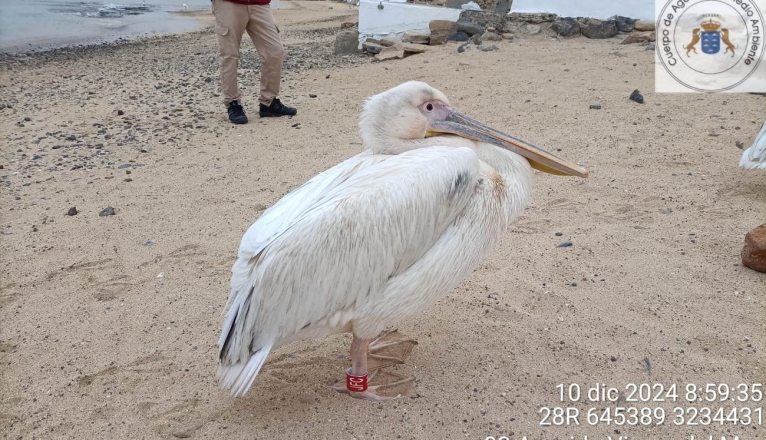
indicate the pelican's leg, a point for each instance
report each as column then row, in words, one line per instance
column 389, row 348
column 359, row 367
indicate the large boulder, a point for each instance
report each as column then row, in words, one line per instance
column 597, row 29
column 566, row 26
column 470, row 28
column 346, row 43
column 484, row 19
column 624, row 24
column 754, row 252
column 440, row 31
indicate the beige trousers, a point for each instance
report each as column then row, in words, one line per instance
column 232, row 20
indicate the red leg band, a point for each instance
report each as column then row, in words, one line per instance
column 356, row 384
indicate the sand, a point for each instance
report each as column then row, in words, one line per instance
column 109, row 325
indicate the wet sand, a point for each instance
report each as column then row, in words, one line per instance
column 109, row 325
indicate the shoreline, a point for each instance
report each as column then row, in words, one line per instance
column 198, row 21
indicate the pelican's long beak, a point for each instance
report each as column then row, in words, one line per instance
column 461, row 125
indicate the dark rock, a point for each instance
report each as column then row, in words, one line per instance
column 566, row 27
column 106, row 211
column 487, row 48
column 739, row 145
column 120, row 112
column 484, row 19
column 458, row 36
column 624, row 24
column 123, row 166
column 754, row 252
column 346, row 43
column 649, row 46
column 559, row 234
column 564, row 244
column 535, row 18
column 469, row 28
column 71, row 137
column 597, row 29
column 72, row 211
column 595, row 106
column 637, row 97
column 311, row 95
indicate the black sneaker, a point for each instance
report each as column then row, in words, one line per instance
column 276, row 109
column 237, row 113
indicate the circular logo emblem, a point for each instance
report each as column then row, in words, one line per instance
column 710, row 45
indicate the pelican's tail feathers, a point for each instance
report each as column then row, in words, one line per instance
column 238, row 378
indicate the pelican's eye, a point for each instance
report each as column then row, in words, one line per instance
column 429, row 107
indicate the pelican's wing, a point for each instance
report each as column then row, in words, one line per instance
column 755, row 157
column 340, row 249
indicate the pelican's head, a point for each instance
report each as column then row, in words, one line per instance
column 402, row 117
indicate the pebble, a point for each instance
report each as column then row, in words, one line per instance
column 559, row 234
column 564, row 244
column 595, row 106
column 636, row 96
column 739, row 145
column 120, row 112
column 311, row 95
column 106, row 211
column 666, row 211
column 72, row 211
column 123, row 166
column 649, row 46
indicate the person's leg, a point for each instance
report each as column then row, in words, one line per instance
column 230, row 23
column 263, row 31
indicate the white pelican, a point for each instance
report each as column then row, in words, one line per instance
column 378, row 238
column 754, row 158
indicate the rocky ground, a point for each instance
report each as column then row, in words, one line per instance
column 109, row 318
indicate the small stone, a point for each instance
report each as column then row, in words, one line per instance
column 71, row 137
column 123, row 166
column 754, row 251
column 27, row 119
column 487, row 48
column 120, row 112
column 390, row 53
column 666, row 211
column 595, row 106
column 613, row 359
column 559, row 234
column 311, row 95
column 564, row 244
column 508, row 36
column 636, row 96
column 649, row 46
column 574, row 284
column 643, row 25
column 739, row 145
column 149, row 243
column 347, row 25
column 106, row 211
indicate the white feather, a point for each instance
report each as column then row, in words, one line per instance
column 755, row 157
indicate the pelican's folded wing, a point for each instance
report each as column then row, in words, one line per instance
column 338, row 250
column 755, row 157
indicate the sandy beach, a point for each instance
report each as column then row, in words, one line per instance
column 109, row 324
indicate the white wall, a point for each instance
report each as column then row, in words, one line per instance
column 641, row 9
column 396, row 18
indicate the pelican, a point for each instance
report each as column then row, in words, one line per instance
column 754, row 158
column 378, row 238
